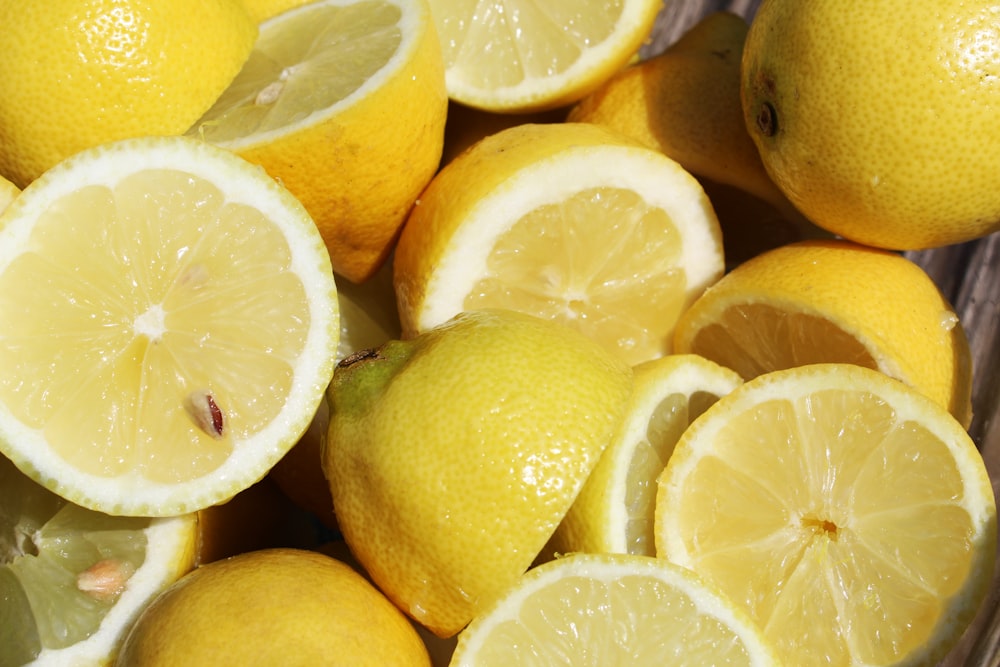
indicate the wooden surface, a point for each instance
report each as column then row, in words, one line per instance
column 968, row 275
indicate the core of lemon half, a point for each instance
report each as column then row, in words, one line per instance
column 529, row 56
column 612, row 609
column 848, row 514
column 565, row 221
column 169, row 325
column 344, row 102
column 72, row 580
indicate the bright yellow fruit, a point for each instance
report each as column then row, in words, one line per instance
column 834, row 301
column 75, row 74
column 567, row 221
column 344, row 102
column 72, row 580
column 612, row 609
column 453, row 456
column 520, row 57
column 261, row 10
column 879, row 121
column 273, row 607
column 849, row 515
column 176, row 326
column 8, row 192
column 614, row 510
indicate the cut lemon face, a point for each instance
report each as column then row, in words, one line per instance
column 612, row 609
column 170, row 326
column 834, row 301
column 565, row 221
column 509, row 56
column 849, row 515
column 614, row 510
column 73, row 580
column 344, row 102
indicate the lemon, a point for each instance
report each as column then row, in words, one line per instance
column 344, row 102
column 172, row 326
column 612, row 609
column 272, row 607
column 72, row 580
column 880, row 124
column 520, row 57
column 75, row 74
column 851, row 516
column 834, row 301
column 453, row 456
column 567, row 221
column 261, row 10
column 614, row 510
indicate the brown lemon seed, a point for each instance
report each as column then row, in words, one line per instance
column 205, row 412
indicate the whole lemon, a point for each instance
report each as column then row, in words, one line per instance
column 272, row 607
column 878, row 120
column 453, row 456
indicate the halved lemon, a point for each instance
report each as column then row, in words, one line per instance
column 73, row 581
column 848, row 514
column 169, row 326
column 612, row 609
column 565, row 221
column 530, row 56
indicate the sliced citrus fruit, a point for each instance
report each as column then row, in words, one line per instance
column 8, row 192
column 566, row 221
column 834, row 301
column 850, row 515
column 176, row 325
column 614, row 510
column 344, row 102
column 612, row 609
column 78, row 73
column 510, row 56
column 72, row 580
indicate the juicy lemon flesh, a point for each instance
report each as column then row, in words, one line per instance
column 669, row 421
column 633, row 619
column 316, row 59
column 822, row 547
column 755, row 338
column 501, row 45
column 593, row 262
column 46, row 544
column 137, row 331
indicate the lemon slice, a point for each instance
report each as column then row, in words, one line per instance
column 565, row 221
column 529, row 56
column 344, row 102
column 612, row 609
column 176, row 325
column 834, row 301
column 851, row 516
column 614, row 510
column 72, row 580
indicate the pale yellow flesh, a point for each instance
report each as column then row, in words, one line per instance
column 841, row 550
column 304, row 63
column 125, row 333
column 595, row 261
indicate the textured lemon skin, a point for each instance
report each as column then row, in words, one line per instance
column 449, row 476
column 272, row 607
column 77, row 74
column 359, row 171
column 882, row 299
column 879, row 123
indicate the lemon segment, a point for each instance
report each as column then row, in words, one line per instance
column 72, row 579
column 852, row 517
column 569, row 222
column 519, row 57
column 612, row 609
column 177, row 320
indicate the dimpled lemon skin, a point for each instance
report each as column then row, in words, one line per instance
column 272, row 607
column 453, row 456
column 879, row 120
column 75, row 74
